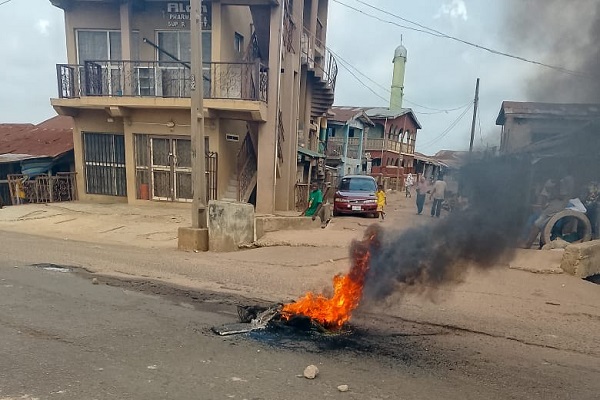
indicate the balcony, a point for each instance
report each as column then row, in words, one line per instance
column 335, row 148
column 161, row 79
column 386, row 145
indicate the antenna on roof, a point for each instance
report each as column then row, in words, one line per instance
column 401, row 40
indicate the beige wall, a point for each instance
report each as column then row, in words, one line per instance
column 293, row 100
column 234, row 19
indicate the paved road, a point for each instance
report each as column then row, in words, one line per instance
column 64, row 338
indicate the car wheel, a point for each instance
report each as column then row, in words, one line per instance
column 335, row 213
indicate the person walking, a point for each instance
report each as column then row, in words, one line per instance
column 381, row 201
column 421, row 194
column 410, row 181
column 438, row 194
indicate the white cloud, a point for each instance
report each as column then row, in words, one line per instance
column 42, row 26
column 453, row 9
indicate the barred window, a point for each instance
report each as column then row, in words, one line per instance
column 104, row 161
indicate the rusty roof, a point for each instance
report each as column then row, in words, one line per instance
column 50, row 138
column 523, row 109
column 374, row 113
column 345, row 114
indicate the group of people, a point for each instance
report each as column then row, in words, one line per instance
column 437, row 193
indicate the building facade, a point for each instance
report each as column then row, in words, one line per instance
column 527, row 124
column 268, row 83
column 346, row 139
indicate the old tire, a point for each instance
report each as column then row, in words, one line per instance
column 581, row 218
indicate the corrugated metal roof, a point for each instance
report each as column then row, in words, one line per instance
column 374, row 113
column 50, row 138
column 549, row 110
column 11, row 158
column 345, row 114
column 310, row 153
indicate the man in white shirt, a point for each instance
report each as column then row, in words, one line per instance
column 438, row 194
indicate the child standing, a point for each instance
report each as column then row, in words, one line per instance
column 381, row 201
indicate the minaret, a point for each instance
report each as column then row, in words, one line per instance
column 398, row 78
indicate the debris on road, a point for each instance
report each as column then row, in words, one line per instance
column 311, row 372
column 343, row 388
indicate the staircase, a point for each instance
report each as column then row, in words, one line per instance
column 241, row 186
column 323, row 88
column 322, row 70
column 231, row 193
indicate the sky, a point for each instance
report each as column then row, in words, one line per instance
column 440, row 73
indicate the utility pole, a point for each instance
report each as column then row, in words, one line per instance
column 197, row 125
column 476, row 104
column 196, row 237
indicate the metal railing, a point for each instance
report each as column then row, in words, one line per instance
column 247, row 165
column 238, row 80
column 325, row 63
column 42, row 189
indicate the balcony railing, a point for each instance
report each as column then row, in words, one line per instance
column 335, row 148
column 241, row 80
column 325, row 63
column 388, row 145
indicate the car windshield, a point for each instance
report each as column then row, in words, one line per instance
column 358, row 185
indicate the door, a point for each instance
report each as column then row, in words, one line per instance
column 171, row 165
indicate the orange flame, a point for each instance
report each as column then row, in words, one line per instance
column 334, row 312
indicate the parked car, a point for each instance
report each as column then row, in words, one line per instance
column 356, row 195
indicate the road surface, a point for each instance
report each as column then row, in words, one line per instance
column 63, row 337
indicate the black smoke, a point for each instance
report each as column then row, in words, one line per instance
column 561, row 33
column 442, row 251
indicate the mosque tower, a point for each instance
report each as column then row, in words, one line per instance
column 398, row 78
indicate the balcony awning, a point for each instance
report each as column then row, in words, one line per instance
column 310, row 153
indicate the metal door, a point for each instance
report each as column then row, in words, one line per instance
column 171, row 165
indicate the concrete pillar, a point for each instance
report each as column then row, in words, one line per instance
column 361, row 149
column 345, row 148
column 125, row 13
column 267, row 132
column 130, row 161
column 314, row 13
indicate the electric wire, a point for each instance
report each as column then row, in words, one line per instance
column 433, row 32
column 5, row 1
column 449, row 129
column 349, row 66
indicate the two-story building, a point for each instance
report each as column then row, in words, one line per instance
column 268, row 83
column 380, row 140
column 527, row 124
column 346, row 139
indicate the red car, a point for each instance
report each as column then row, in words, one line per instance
column 356, row 195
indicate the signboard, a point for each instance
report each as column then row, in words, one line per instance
column 177, row 15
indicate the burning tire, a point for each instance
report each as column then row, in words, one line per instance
column 583, row 230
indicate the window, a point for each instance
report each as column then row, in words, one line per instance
column 351, row 133
column 358, row 184
column 174, row 78
column 104, row 162
column 178, row 44
column 98, row 45
column 104, row 46
column 238, row 43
